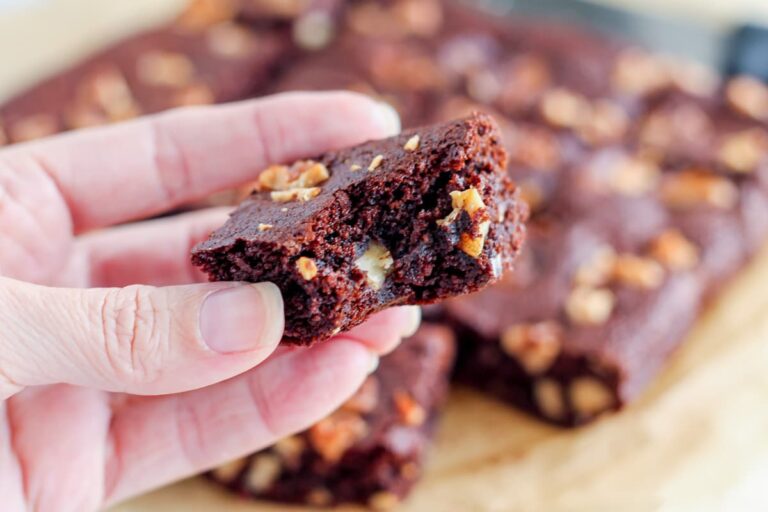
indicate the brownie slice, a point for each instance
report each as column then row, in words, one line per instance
column 419, row 217
column 371, row 451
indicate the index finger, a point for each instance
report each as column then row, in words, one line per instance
column 141, row 168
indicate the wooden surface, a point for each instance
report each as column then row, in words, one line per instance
column 697, row 440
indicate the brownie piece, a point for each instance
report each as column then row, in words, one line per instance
column 371, row 451
column 187, row 63
column 419, row 217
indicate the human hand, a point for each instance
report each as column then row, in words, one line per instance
column 82, row 335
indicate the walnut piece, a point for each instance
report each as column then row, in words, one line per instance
column 33, row 127
column 375, row 163
column 598, row 269
column 201, row 14
column 742, row 152
column 694, row 187
column 412, row 144
column 314, row 30
column 410, row 411
column 674, row 251
column 165, row 69
column 634, row 176
column 748, row 96
column 564, row 109
column 290, row 449
column 264, row 471
column 639, row 272
column 228, row 472
column 639, row 73
column 590, row 397
column 230, row 41
column 589, row 306
column 108, row 89
column 304, row 174
column 605, row 122
column 366, row 398
column 191, row 95
column 307, row 268
column 535, row 346
column 265, row 227
column 297, row 194
column 355, row 167
column 383, row 500
column 548, row 396
column 333, row 436
column 376, row 262
column 471, row 202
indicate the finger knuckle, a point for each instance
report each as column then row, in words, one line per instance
column 132, row 324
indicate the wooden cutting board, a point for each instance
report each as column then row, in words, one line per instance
column 697, row 439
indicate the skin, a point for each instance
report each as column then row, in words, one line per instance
column 120, row 369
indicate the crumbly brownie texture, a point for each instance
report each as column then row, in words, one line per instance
column 370, row 451
column 423, row 216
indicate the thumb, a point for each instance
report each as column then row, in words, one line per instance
column 139, row 339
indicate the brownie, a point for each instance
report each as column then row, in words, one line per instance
column 423, row 216
column 186, row 63
column 371, row 451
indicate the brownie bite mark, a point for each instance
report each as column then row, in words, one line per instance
column 413, row 219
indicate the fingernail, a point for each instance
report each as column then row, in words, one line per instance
column 374, row 365
column 413, row 321
column 242, row 318
column 388, row 118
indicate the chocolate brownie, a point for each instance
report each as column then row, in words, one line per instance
column 179, row 65
column 419, row 217
column 371, row 451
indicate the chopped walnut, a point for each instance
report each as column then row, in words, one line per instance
column 471, row 202
column 564, row 109
column 366, row 398
column 230, row 40
column 634, row 176
column 639, row 73
column 191, row 95
column 290, row 450
column 748, row 96
column 589, row 396
column 637, row 271
column 525, row 79
column 337, row 433
column 598, row 269
column 589, row 306
column 693, row 187
column 483, row 86
column 304, row 176
column 201, row 14
column 535, row 346
column 548, row 396
column 355, row 167
column 376, row 262
column 686, row 124
column 375, row 163
column 264, row 471
column 383, row 500
column 296, row 194
column 605, row 122
column 412, row 144
column 109, row 90
column 314, row 30
column 307, row 268
column 411, row 413
column 743, row 152
column 419, row 17
column 532, row 193
column 265, row 227
column 33, row 127
column 319, row 497
column 228, row 472
column 165, row 69
column 673, row 250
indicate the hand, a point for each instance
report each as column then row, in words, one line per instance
column 78, row 335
